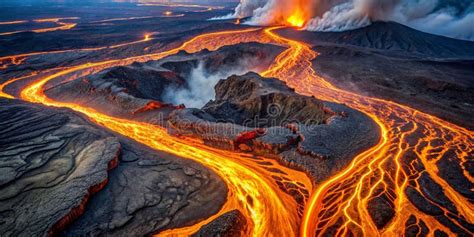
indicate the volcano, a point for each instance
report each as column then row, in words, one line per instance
column 389, row 60
column 150, row 119
column 397, row 39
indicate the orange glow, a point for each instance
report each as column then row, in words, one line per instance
column 297, row 19
column 342, row 199
column 20, row 58
column 406, row 133
column 170, row 14
column 55, row 19
column 62, row 25
column 293, row 13
column 246, row 180
column 12, row 22
column 58, row 21
column 8, row 82
column 3, row 94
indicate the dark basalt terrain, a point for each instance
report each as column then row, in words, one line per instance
column 444, row 89
column 50, row 163
column 59, row 169
column 255, row 102
column 136, row 91
column 104, row 24
column 427, row 72
column 149, row 192
column 388, row 60
column 62, row 174
column 264, row 116
column 249, row 113
column 395, row 38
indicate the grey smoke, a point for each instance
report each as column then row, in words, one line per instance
column 263, row 12
column 451, row 18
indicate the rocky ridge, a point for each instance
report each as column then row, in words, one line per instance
column 303, row 132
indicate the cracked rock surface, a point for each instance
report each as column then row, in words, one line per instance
column 49, row 164
column 56, row 177
column 149, row 192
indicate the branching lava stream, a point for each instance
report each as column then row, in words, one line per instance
column 250, row 189
column 411, row 144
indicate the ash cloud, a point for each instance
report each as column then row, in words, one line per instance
column 451, row 18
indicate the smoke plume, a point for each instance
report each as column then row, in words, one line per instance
column 452, row 18
column 267, row 12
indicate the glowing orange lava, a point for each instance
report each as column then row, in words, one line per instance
column 12, row 22
column 340, row 204
column 251, row 188
column 58, row 21
column 297, row 19
column 3, row 94
column 20, row 58
column 411, row 144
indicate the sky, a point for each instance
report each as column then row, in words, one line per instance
column 451, row 18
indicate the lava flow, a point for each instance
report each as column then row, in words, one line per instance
column 18, row 59
column 12, row 22
column 3, row 94
column 411, row 144
column 58, row 21
column 269, row 210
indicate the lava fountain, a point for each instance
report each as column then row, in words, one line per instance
column 294, row 13
column 299, row 16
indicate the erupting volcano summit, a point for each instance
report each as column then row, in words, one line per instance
column 225, row 118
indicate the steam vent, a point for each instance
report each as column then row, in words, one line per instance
column 291, row 118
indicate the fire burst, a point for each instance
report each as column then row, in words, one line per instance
column 297, row 19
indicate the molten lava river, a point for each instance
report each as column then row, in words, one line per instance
column 411, row 144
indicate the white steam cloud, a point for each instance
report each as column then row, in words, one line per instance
column 200, row 87
column 452, row 18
